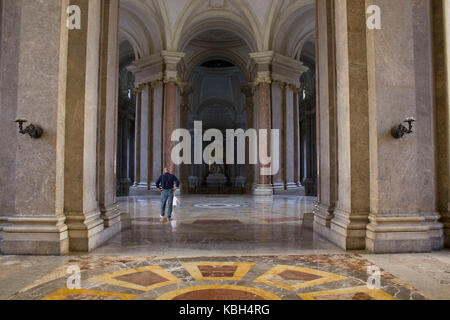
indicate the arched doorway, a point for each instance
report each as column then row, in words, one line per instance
column 218, row 103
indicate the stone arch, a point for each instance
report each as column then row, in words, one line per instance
column 295, row 27
column 220, row 101
column 135, row 25
column 225, row 21
column 227, row 55
column 224, row 104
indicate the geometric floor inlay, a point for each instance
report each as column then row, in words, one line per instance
column 219, row 292
column 216, row 205
column 217, row 270
column 217, row 221
column 303, row 277
column 357, row 293
column 284, row 219
column 143, row 279
column 292, row 278
column 86, row 294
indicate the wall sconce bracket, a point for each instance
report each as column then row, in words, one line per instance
column 399, row 131
column 32, row 130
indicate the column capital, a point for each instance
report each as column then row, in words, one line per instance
column 281, row 84
column 248, row 89
column 155, row 83
column 171, row 60
column 274, row 66
column 147, row 69
column 262, row 57
column 139, row 88
column 287, row 69
column 172, row 57
column 263, row 61
column 186, row 90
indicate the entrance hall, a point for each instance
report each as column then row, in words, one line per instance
column 219, row 225
column 356, row 177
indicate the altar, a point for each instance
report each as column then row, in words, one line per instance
column 216, row 176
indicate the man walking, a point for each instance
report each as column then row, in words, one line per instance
column 167, row 184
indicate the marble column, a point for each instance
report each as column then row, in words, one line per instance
column 158, row 96
column 170, row 91
column 82, row 102
column 353, row 205
column 186, row 91
column 248, row 90
column 263, row 82
column 145, row 135
column 108, row 114
column 9, row 29
column 137, row 138
column 441, row 56
column 308, row 141
column 286, row 73
column 125, row 156
column 149, row 74
column 326, row 114
column 171, row 108
column 143, row 140
column 32, row 171
column 403, row 171
column 290, row 136
column 265, row 181
column 278, row 97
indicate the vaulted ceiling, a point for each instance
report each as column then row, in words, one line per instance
column 211, row 28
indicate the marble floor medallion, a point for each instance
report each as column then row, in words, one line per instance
column 308, row 277
column 217, row 205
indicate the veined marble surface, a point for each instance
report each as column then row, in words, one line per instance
column 219, row 225
column 224, row 247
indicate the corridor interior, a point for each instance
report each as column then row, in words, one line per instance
column 80, row 216
column 224, row 247
column 219, row 225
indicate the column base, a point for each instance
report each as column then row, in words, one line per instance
column 278, row 186
column 124, row 187
column 263, row 190
column 348, row 230
column 111, row 215
column 292, row 185
column 403, row 234
column 436, row 231
column 308, row 220
column 445, row 220
column 28, row 235
column 323, row 215
column 86, row 231
column 141, row 189
column 291, row 188
column 3, row 223
column 125, row 220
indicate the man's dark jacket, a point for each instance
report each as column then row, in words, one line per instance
column 167, row 181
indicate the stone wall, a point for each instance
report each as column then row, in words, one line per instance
column 382, row 77
column 60, row 191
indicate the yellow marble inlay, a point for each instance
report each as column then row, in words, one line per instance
column 272, row 277
column 264, row 294
column 109, row 278
column 242, row 269
column 63, row 293
column 373, row 293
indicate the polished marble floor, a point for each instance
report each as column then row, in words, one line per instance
column 224, row 247
column 307, row 277
column 220, row 225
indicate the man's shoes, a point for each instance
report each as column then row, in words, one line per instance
column 170, row 219
column 162, row 219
